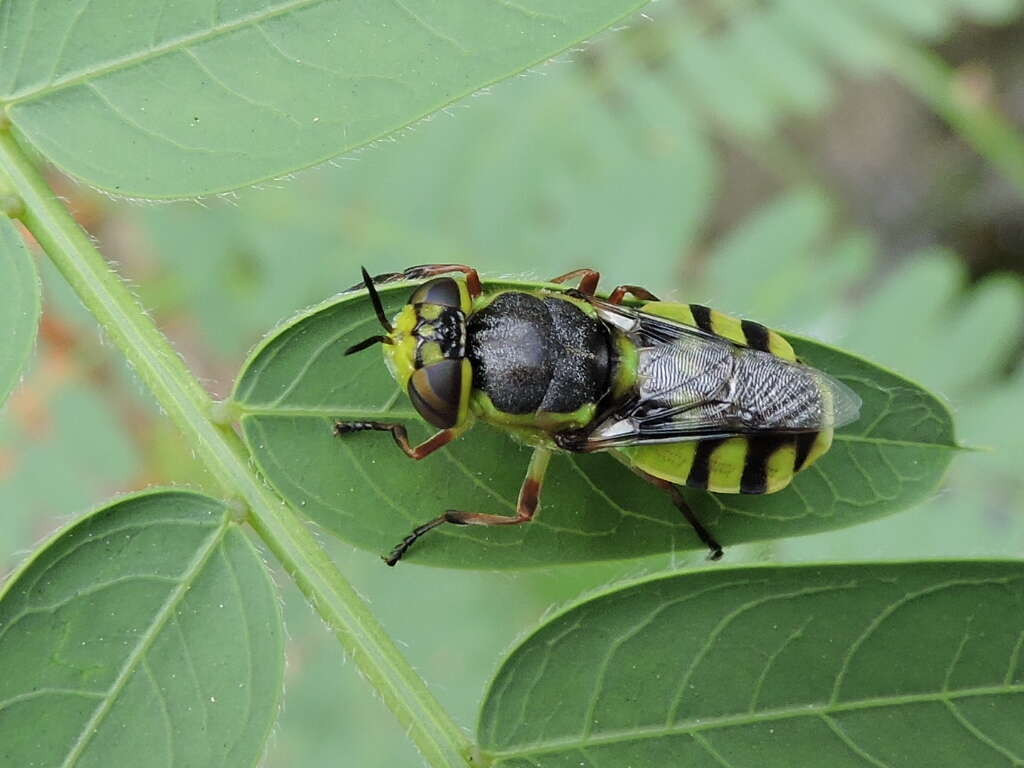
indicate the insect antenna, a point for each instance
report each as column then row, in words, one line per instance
column 378, row 307
column 375, row 298
column 368, row 343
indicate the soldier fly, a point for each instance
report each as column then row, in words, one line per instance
column 680, row 393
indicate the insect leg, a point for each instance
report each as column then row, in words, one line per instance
column 529, row 501
column 588, row 285
column 635, row 291
column 398, row 432
column 682, row 506
column 429, row 270
column 588, row 280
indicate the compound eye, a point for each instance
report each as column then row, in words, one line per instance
column 440, row 290
column 436, row 392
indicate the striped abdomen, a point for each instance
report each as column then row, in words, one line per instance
column 761, row 463
column 747, row 464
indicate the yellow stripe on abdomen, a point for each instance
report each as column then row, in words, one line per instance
column 753, row 464
column 669, row 461
column 743, row 332
column 725, row 465
column 714, row 465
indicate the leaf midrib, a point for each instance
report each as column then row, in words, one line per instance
column 764, row 716
column 316, row 412
column 169, row 46
column 146, row 640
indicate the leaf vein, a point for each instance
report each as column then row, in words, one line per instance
column 851, row 744
column 640, row 733
column 146, row 640
column 164, row 711
column 726, row 620
column 36, row 693
column 706, row 745
column 980, row 735
column 235, row 92
column 168, row 46
column 431, row 29
column 759, row 683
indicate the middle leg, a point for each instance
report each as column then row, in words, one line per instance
column 589, row 279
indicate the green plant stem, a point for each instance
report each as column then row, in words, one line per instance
column 440, row 740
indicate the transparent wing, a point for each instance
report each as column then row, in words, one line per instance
column 693, row 385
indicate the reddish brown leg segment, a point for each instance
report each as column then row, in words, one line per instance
column 398, row 432
column 677, row 499
column 529, row 501
column 633, row 290
column 589, row 279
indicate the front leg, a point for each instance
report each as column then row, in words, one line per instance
column 398, row 432
column 529, row 502
column 429, row 270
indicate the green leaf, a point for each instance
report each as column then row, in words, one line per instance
column 367, row 492
column 19, row 306
column 523, row 183
column 907, row 665
column 146, row 634
column 156, row 100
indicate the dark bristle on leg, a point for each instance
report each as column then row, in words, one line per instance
column 715, row 549
column 402, row 547
column 400, row 435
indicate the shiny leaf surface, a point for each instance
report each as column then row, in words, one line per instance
column 860, row 666
column 148, row 633
column 158, row 100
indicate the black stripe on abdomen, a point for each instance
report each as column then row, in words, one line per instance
column 702, row 317
column 755, row 468
column 701, row 467
column 756, row 335
column 804, row 443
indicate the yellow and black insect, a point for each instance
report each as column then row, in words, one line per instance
column 682, row 394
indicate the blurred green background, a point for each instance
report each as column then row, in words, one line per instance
column 855, row 174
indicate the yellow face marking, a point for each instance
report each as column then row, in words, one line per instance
column 430, row 311
column 431, row 353
column 400, row 356
column 465, row 300
column 465, row 393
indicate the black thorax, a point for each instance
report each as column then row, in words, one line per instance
column 533, row 354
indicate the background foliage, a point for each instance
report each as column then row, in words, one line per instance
column 847, row 174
